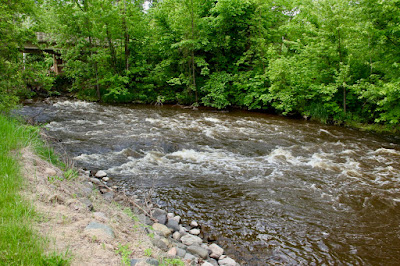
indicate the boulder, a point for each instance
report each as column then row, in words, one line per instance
column 227, row 262
column 189, row 257
column 213, row 262
column 172, row 252
column 170, row 215
column 160, row 244
column 206, row 264
column 199, row 251
column 173, row 225
column 50, row 172
column 160, row 216
column 177, row 218
column 194, row 224
column 105, row 179
column 176, row 236
column 99, row 230
column 195, row 232
column 100, row 174
column 190, row 240
column 216, row 251
column 180, row 252
column 162, row 229
column 95, row 181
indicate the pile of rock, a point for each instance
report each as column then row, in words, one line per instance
column 180, row 241
column 169, row 234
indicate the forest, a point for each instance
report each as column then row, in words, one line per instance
column 335, row 61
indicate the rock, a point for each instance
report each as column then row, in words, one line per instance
column 182, row 230
column 135, row 261
column 100, row 174
column 216, row 251
column 109, row 196
column 87, row 203
column 114, row 187
column 189, row 257
column 180, row 252
column 50, row 172
column 176, row 236
column 195, row 232
column 213, row 262
column 160, row 244
column 206, row 264
column 95, row 181
column 194, row 224
column 177, row 218
column 190, row 240
column 105, row 179
column 162, row 229
column 101, row 231
column 100, row 216
column 86, row 191
column 170, row 215
column 196, row 250
column 173, row 225
column 172, row 252
column 160, row 216
column 153, row 262
column 227, row 262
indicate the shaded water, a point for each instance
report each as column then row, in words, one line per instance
column 268, row 189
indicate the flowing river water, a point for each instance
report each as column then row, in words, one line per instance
column 270, row 190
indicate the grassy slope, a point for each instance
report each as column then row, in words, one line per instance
column 19, row 243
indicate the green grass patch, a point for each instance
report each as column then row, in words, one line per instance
column 20, row 244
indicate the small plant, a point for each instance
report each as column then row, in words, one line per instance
column 151, row 235
column 130, row 214
column 172, row 262
column 125, row 253
column 160, row 100
column 148, row 252
column 56, row 259
column 71, row 174
column 53, row 179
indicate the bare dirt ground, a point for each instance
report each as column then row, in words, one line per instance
column 64, row 214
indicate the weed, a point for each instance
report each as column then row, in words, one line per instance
column 148, row 252
column 125, row 253
column 71, row 174
column 172, row 262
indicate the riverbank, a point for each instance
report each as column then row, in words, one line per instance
column 79, row 220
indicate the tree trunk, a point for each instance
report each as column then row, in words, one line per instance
column 112, row 50
column 192, row 55
column 126, row 38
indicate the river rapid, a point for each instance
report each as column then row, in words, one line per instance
column 268, row 189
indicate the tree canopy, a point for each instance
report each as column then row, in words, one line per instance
column 332, row 60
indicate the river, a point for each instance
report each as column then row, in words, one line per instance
column 269, row 189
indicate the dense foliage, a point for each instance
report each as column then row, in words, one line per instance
column 332, row 60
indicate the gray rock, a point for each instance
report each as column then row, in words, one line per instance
column 194, row 224
column 144, row 219
column 195, row 232
column 227, row 262
column 105, row 179
column 153, row 262
column 86, row 191
column 173, row 225
column 87, row 203
column 182, row 230
column 135, row 261
column 101, row 227
column 95, row 181
column 109, row 196
column 177, row 218
column 216, row 251
column 170, row 215
column 199, row 251
column 206, row 264
column 189, row 257
column 190, row 240
column 162, row 229
column 100, row 174
column 213, row 262
column 180, row 252
column 160, row 216
column 160, row 244
column 176, row 236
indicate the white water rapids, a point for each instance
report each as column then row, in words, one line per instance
column 269, row 189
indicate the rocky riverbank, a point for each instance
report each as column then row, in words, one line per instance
column 99, row 225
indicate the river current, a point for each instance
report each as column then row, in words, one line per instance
column 270, row 190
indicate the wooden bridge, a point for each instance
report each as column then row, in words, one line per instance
column 45, row 44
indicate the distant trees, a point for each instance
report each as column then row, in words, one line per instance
column 330, row 60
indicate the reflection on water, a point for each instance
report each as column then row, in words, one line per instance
column 269, row 189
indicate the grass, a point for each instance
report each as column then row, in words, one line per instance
column 20, row 244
